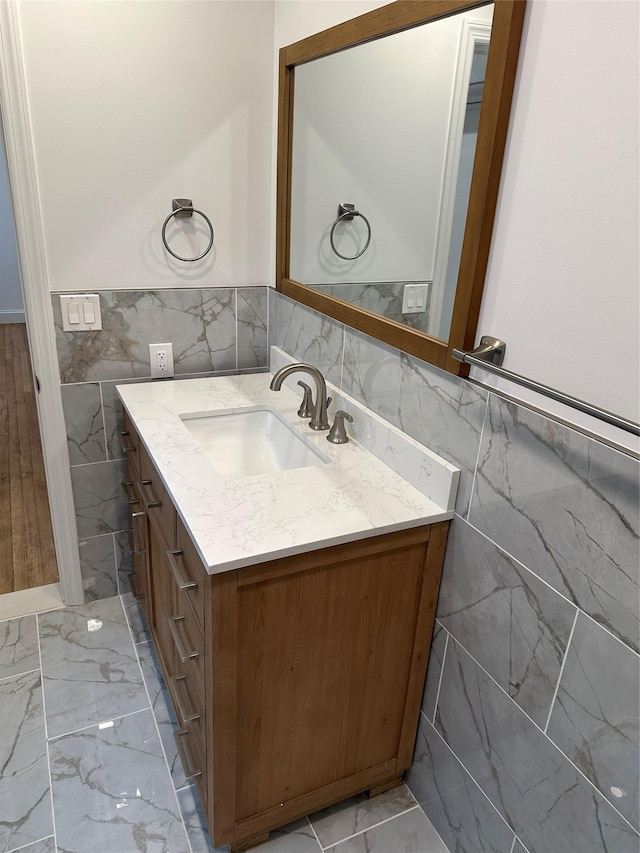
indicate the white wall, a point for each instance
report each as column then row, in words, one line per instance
column 135, row 103
column 562, row 284
column 11, row 305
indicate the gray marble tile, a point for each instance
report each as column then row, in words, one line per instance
column 195, row 823
column 135, row 618
column 307, row 335
column 112, row 791
column 566, row 507
column 25, row 801
column 98, row 567
column 162, row 710
column 99, row 501
column 89, row 666
column 200, row 323
column 410, row 833
column 514, row 625
column 252, row 327
column 541, row 795
column 124, row 562
column 439, row 410
column 434, row 670
column 596, row 716
column 460, row 812
column 356, row 814
column 18, row 646
column 83, row 419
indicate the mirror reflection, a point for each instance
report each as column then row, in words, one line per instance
column 389, row 127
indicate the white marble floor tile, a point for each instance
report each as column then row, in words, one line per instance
column 18, row 646
column 409, row 833
column 112, row 790
column 89, row 666
column 25, row 802
column 359, row 813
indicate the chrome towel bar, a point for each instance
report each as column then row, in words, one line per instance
column 489, row 356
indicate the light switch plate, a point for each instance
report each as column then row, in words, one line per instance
column 80, row 312
column 414, row 297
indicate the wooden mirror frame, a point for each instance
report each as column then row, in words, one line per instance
column 506, row 30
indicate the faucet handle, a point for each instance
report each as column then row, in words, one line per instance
column 337, row 433
column 306, row 407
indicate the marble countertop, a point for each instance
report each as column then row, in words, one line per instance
column 240, row 522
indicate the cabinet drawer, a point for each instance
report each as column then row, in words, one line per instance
column 193, row 762
column 190, row 574
column 130, row 444
column 189, row 646
column 190, row 711
column 156, row 501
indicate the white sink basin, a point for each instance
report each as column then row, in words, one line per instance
column 251, row 441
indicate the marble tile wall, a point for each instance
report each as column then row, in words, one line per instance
column 528, row 739
column 213, row 331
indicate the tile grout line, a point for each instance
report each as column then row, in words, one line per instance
column 29, row 845
column 546, row 736
column 46, row 734
column 444, row 657
column 315, row 834
column 104, row 424
column 26, row 671
column 477, row 462
column 564, row 661
column 373, row 826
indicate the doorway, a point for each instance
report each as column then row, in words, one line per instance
column 27, row 551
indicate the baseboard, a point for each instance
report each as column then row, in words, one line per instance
column 12, row 317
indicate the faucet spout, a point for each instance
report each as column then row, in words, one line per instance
column 319, row 419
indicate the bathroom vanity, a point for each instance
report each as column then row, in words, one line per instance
column 291, row 609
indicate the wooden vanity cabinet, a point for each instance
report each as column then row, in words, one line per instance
column 296, row 682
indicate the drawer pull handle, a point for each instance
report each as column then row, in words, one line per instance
column 188, row 772
column 177, row 572
column 126, row 448
column 183, row 654
column 137, row 548
column 154, row 502
column 131, row 496
column 185, row 717
column 137, row 595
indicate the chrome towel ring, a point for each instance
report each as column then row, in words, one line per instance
column 182, row 208
column 347, row 212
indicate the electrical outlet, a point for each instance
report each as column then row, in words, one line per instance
column 161, row 360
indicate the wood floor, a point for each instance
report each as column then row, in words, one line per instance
column 27, row 555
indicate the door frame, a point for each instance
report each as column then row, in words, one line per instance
column 14, row 115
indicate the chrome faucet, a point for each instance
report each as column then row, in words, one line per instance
column 319, row 419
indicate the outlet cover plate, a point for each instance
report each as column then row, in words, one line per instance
column 161, row 360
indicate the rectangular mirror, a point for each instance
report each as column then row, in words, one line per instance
column 392, row 128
